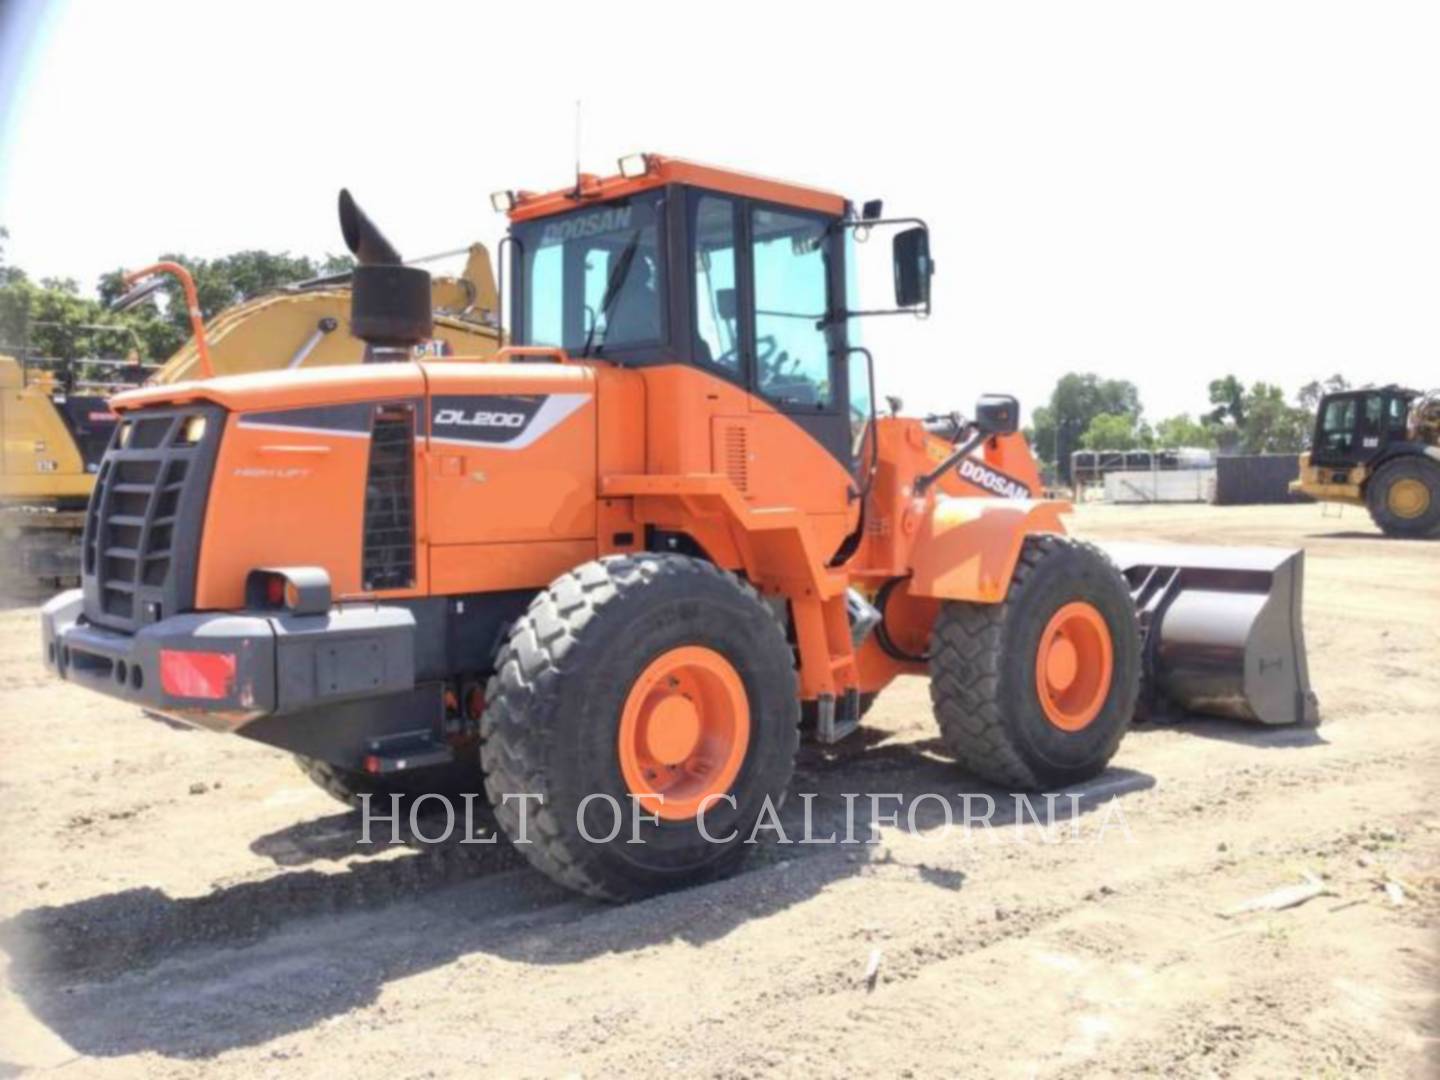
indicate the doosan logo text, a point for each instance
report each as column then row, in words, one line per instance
column 460, row 418
column 576, row 228
column 996, row 483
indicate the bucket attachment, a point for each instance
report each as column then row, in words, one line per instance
column 1221, row 630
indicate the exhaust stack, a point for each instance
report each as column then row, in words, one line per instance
column 389, row 302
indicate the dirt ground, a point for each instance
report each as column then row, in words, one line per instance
column 173, row 902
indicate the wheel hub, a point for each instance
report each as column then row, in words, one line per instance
column 1062, row 665
column 1074, row 666
column 684, row 731
column 1408, row 498
column 673, row 729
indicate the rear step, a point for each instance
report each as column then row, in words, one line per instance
column 404, row 752
column 1221, row 631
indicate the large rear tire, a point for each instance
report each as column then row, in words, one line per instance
column 1038, row 691
column 634, row 687
column 1404, row 498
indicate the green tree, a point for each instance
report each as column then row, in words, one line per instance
column 1041, row 433
column 1228, row 397
column 1075, row 402
column 1183, row 430
column 1272, row 425
column 9, row 275
column 52, row 318
column 1110, row 431
column 1311, row 393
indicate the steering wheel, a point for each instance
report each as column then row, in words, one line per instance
column 765, row 347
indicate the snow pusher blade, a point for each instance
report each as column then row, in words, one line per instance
column 1221, row 629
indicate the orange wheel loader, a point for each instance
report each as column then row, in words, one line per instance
column 621, row 566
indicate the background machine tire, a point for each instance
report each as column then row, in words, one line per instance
column 987, row 677
column 593, row 682
column 1404, row 497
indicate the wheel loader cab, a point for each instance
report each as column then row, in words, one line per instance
column 1357, row 426
column 732, row 278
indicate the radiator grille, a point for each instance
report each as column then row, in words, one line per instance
column 388, row 557
column 149, row 496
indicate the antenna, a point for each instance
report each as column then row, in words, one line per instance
column 577, row 148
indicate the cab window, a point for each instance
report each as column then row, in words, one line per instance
column 591, row 280
column 717, row 339
column 1374, row 406
column 1337, row 431
column 1398, row 414
column 792, row 350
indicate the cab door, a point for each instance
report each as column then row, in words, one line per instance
column 761, row 298
column 1338, row 431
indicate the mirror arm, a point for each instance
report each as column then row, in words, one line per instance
column 922, row 483
column 860, row 225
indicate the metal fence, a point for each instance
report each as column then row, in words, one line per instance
column 1254, row 479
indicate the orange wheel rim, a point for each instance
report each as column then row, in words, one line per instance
column 1074, row 666
column 684, row 731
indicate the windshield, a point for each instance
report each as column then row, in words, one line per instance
column 590, row 279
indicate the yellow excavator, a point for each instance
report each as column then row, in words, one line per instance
column 55, row 423
column 306, row 325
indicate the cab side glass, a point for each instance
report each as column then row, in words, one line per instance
column 717, row 339
column 792, row 349
column 862, row 406
column 1337, row 430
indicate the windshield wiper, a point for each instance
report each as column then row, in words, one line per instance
column 618, row 273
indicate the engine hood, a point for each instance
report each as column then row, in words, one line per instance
column 270, row 390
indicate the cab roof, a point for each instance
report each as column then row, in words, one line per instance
column 660, row 171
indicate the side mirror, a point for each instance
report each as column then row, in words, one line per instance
column 142, row 291
column 725, row 304
column 997, row 414
column 912, row 267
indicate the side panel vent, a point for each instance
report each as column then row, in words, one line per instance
column 732, row 452
column 388, row 557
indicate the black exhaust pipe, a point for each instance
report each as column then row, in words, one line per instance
column 389, row 302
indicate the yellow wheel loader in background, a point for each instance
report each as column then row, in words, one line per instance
column 1379, row 448
column 56, row 424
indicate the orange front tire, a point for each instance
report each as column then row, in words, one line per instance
column 1037, row 692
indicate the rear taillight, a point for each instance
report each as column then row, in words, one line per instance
column 209, row 675
column 300, row 590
